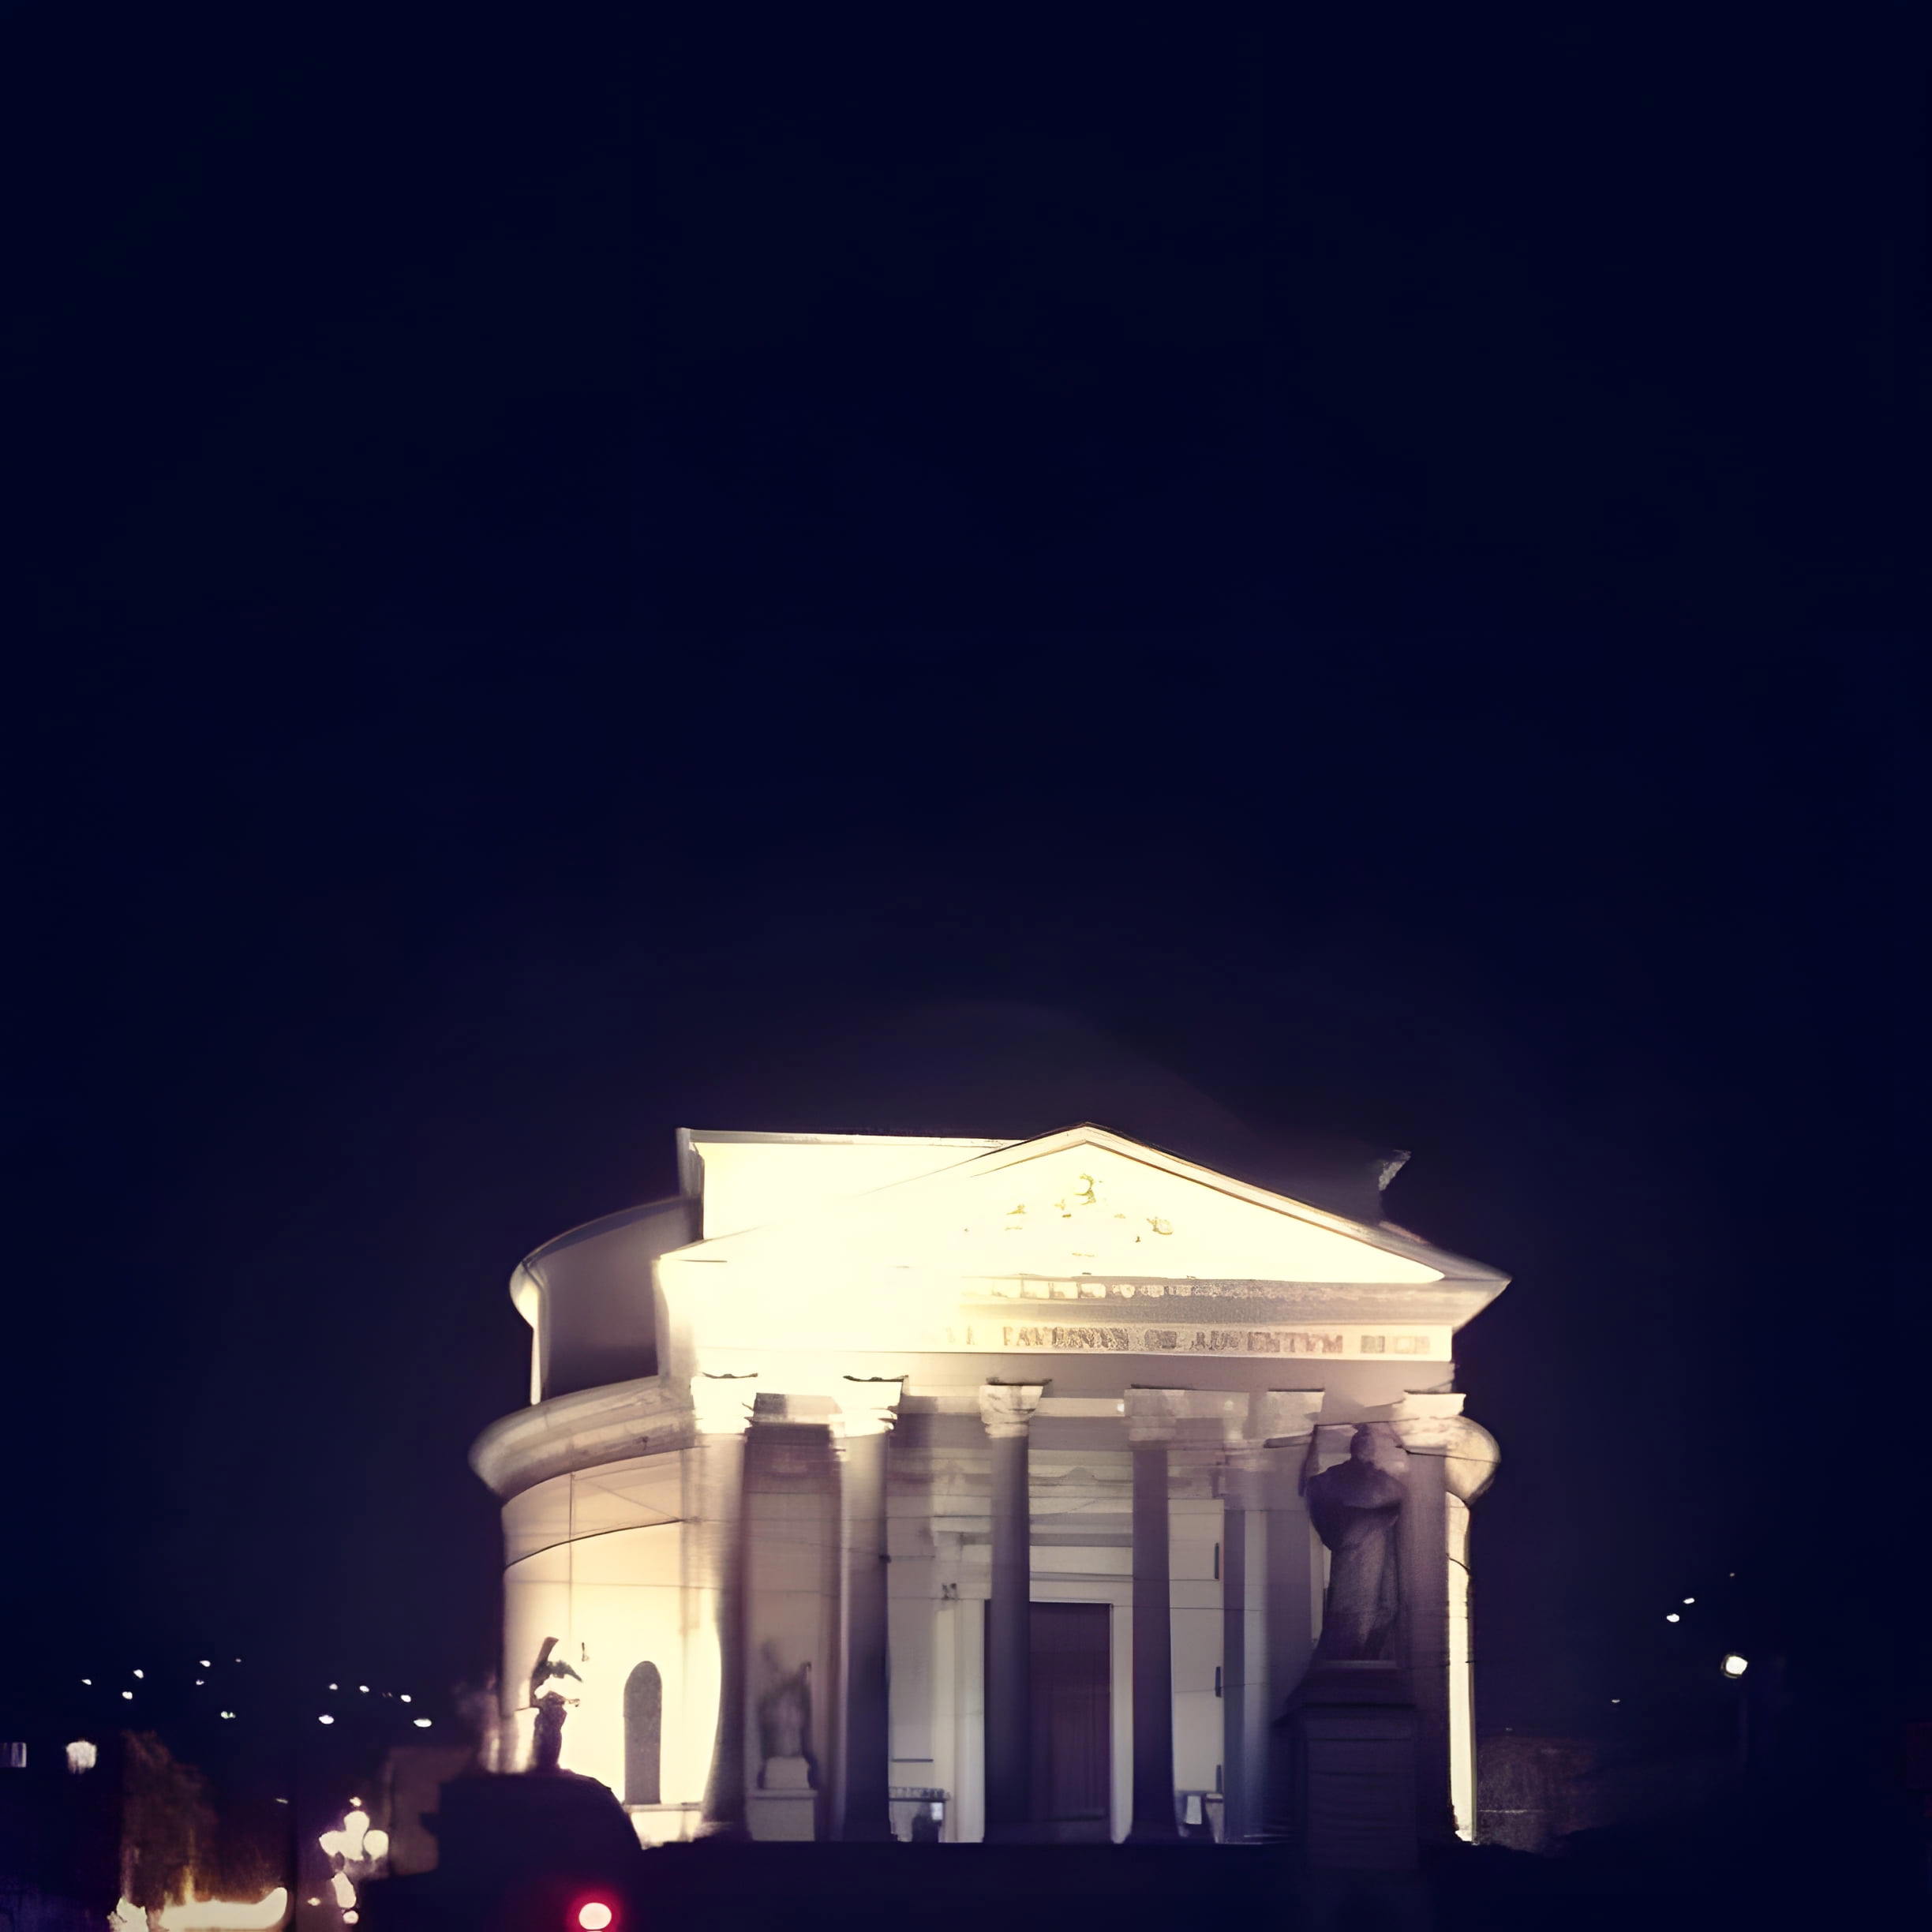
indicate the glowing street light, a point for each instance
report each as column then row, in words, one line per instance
column 325, row 1718
column 1672, row 1617
column 1734, row 1665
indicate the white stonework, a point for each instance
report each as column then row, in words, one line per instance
column 832, row 1346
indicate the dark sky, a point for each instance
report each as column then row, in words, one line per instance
column 561, row 574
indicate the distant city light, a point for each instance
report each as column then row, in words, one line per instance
column 594, row 1916
column 227, row 1714
column 82, row 1755
column 1617, row 1700
column 86, row 1680
column 1673, row 1618
column 141, row 1673
column 422, row 1724
column 1690, row 1599
column 1734, row 1665
column 335, row 1687
column 128, row 1695
column 350, row 1918
column 315, row 1901
column 363, row 1688
column 199, row 1682
column 325, row 1718
column 406, row 1697
column 208, row 1664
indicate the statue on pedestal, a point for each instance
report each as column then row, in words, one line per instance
column 786, row 1762
column 1354, row 1507
column 551, row 1706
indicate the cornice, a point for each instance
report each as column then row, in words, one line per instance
column 582, row 1430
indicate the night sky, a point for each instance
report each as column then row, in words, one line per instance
column 578, row 585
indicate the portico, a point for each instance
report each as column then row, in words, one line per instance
column 974, row 1470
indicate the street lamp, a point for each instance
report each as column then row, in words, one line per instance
column 1734, row 1668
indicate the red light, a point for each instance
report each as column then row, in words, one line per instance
column 594, row 1915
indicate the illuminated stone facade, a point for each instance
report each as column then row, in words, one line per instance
column 953, row 1488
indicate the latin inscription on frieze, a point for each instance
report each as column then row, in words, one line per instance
column 1087, row 1337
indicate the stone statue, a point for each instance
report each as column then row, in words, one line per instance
column 547, row 1739
column 1354, row 1507
column 784, row 1726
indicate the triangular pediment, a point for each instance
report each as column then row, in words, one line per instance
column 1087, row 1203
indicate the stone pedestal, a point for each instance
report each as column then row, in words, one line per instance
column 1353, row 1735
column 1352, row 1738
column 785, row 1806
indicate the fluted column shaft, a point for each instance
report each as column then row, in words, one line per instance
column 861, row 1810
column 1243, row 1677
column 1277, row 1593
column 1153, row 1821
column 1425, row 1425
column 1007, row 1410
column 723, row 1408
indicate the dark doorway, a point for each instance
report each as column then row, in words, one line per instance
column 643, row 1735
column 1073, row 1718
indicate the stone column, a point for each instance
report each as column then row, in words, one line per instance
column 868, row 1408
column 723, row 1409
column 1425, row 1425
column 1150, row 1427
column 1468, row 1469
column 1267, row 1594
column 1243, row 1663
column 1276, row 1439
column 1006, row 1408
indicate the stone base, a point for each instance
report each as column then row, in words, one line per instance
column 1352, row 1740
column 785, row 1809
column 782, row 1817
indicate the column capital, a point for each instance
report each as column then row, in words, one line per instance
column 1423, row 1421
column 1433, row 1424
column 723, row 1402
column 1006, row 1408
column 1281, row 1415
column 869, row 1405
column 1154, row 1415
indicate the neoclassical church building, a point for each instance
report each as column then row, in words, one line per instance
column 966, row 1489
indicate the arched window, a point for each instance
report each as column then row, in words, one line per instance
column 643, row 1735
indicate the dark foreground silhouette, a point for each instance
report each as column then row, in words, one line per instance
column 524, row 1854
